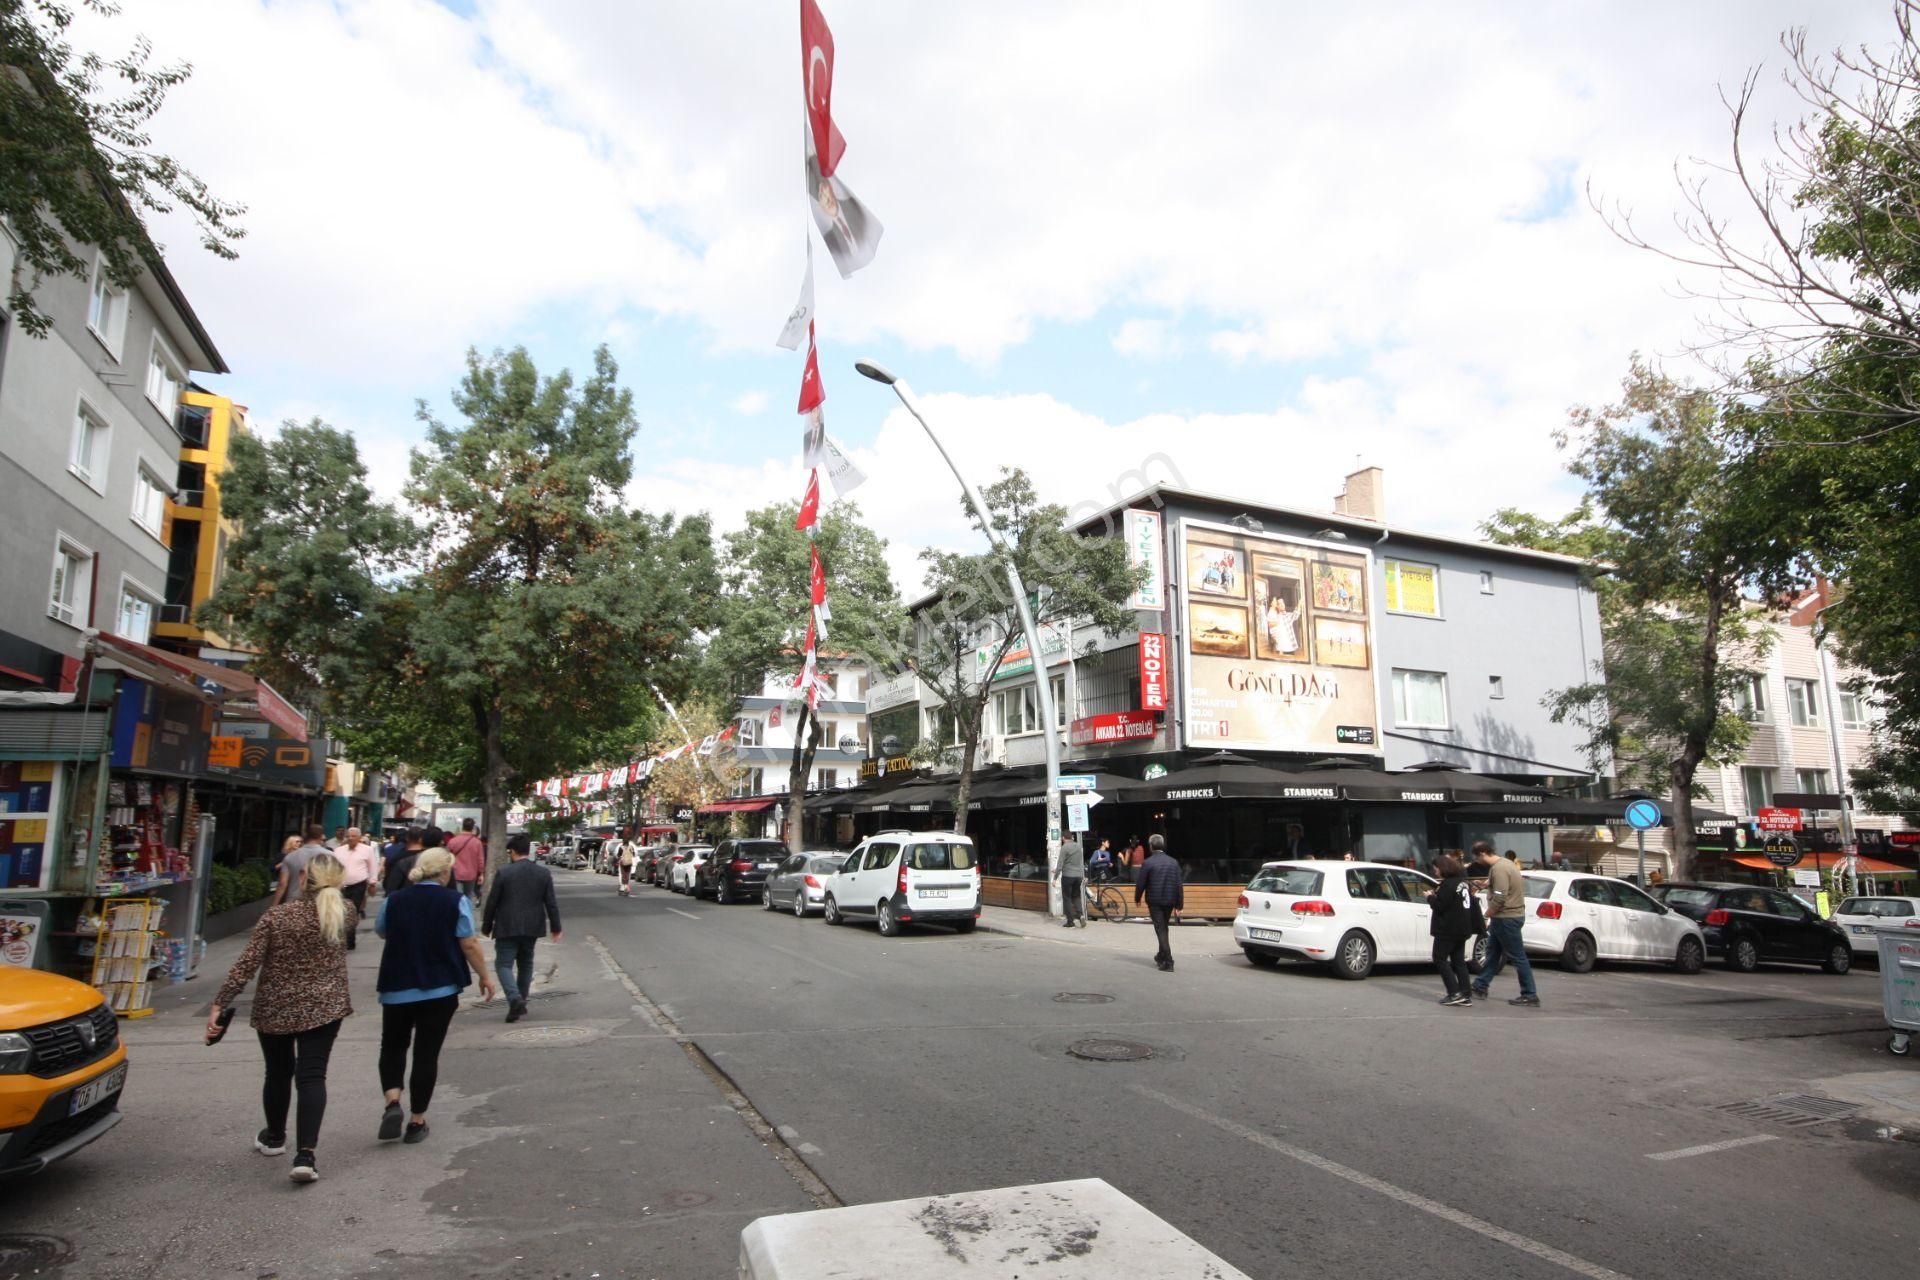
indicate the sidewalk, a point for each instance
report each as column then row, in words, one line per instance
column 1195, row 939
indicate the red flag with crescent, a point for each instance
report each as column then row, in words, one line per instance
column 816, row 70
column 810, row 504
column 812, row 394
column 819, row 584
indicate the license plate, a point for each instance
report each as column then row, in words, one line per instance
column 768, row 866
column 933, row 893
column 1862, row 928
column 1271, row 935
column 93, row 1091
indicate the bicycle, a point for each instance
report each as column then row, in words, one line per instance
column 1106, row 902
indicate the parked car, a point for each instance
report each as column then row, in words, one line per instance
column 660, row 862
column 1863, row 918
column 645, row 859
column 907, row 877
column 1579, row 919
column 62, row 1068
column 687, row 860
column 1347, row 915
column 566, row 853
column 1745, row 924
column 799, row 884
column 738, row 870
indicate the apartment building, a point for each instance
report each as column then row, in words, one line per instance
column 767, row 720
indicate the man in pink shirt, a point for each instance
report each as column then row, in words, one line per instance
column 469, row 859
column 361, row 858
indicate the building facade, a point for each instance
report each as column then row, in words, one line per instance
column 766, row 721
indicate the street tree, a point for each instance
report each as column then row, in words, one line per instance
column 80, row 167
column 693, row 778
column 959, row 641
column 765, row 604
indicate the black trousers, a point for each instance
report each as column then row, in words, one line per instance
column 1073, row 898
column 1450, row 958
column 1162, row 918
column 299, row 1058
column 357, row 895
column 423, row 1024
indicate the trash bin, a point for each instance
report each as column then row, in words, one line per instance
column 1900, row 985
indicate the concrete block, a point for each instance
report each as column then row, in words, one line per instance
column 1078, row 1230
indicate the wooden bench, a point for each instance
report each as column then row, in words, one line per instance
column 1204, row 901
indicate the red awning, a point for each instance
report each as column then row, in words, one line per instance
column 738, row 806
column 178, row 671
column 1864, row 865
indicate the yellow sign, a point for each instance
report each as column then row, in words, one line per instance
column 39, row 772
column 1413, row 588
column 224, row 753
column 29, row 831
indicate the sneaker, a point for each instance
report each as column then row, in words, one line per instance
column 1455, row 998
column 416, row 1132
column 515, row 1011
column 390, row 1121
column 303, row 1169
column 1480, row 993
column 270, row 1144
column 1531, row 1002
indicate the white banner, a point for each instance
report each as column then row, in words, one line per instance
column 840, row 469
column 801, row 316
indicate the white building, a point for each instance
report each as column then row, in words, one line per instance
column 769, row 716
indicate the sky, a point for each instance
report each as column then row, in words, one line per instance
column 1239, row 245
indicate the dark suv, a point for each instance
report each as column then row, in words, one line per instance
column 1745, row 924
column 738, row 870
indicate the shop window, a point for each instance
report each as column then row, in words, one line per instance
column 1803, row 704
column 1413, row 588
column 1420, row 699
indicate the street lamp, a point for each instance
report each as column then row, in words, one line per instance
column 1043, row 685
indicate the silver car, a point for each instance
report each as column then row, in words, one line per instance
column 799, row 884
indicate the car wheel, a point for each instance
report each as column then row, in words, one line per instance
column 889, row 924
column 1691, row 957
column 799, row 904
column 1839, row 958
column 1353, row 958
column 1743, row 955
column 1478, row 960
column 832, row 911
column 1262, row 959
column 964, row 926
column 722, row 894
column 766, row 897
column 1578, row 955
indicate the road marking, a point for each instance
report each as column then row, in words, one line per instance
column 1512, row 1239
column 1755, row 989
column 688, row 914
column 1711, row 1147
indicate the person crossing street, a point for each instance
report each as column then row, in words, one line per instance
column 1163, row 886
column 1506, row 917
column 520, row 907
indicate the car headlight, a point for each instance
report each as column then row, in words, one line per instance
column 16, row 1053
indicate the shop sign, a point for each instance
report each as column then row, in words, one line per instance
column 1019, row 661
column 892, row 691
column 1521, row 798
column 1781, row 851
column 267, row 755
column 1310, row 793
column 22, row 925
column 1904, row 839
column 1192, row 793
column 224, row 752
column 1145, row 549
column 1153, row 671
column 1120, row 726
column 1153, row 772
column 1278, row 641
column 1779, row 820
column 883, row 765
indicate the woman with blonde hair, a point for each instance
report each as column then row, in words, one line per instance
column 299, row 949
column 430, row 949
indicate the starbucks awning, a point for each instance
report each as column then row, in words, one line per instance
column 1225, row 776
column 915, row 797
column 1422, row 786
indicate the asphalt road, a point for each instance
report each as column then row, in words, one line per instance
column 1288, row 1121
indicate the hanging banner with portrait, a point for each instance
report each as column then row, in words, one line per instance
column 1278, row 642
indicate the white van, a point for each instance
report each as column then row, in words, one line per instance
column 908, row 877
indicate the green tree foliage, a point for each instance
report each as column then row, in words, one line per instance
column 77, row 165
column 974, row 623
column 766, row 601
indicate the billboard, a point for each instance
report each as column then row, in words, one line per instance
column 1278, row 640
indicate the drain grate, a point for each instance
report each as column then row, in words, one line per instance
column 547, row 1035
column 1110, row 1050
column 21, row 1251
column 1082, row 997
column 1799, row 1110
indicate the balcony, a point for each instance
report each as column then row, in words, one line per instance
column 194, row 423
column 193, row 499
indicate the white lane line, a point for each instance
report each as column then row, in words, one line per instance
column 688, row 914
column 1512, row 1239
column 1711, row 1147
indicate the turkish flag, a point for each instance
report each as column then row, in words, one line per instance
column 819, row 584
column 816, row 71
column 809, row 505
column 812, row 394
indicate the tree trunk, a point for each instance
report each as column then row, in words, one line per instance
column 1693, row 749
column 496, row 787
column 806, row 741
column 969, row 748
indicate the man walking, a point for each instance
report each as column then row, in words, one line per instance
column 469, row 859
column 394, row 878
column 362, row 862
column 293, row 867
column 1506, row 916
column 520, row 907
column 1163, row 886
column 1073, row 881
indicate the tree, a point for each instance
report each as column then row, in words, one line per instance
column 766, row 601
column 1684, row 545
column 960, row 641
column 691, row 779
column 79, row 166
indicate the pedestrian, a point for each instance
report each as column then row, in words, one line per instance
column 391, row 852
column 294, row 864
column 520, row 907
column 469, row 859
column 1506, row 917
column 362, row 862
column 1164, row 888
column 623, row 858
column 430, row 947
column 1136, row 858
column 1100, row 862
column 1073, row 883
column 1296, row 845
column 299, row 950
column 414, row 843
column 1456, row 918
column 339, row 838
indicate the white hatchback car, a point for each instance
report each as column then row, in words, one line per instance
column 693, row 857
column 1864, row 918
column 1350, row 915
column 1579, row 919
column 907, row 877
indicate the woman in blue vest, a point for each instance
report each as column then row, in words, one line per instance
column 430, row 948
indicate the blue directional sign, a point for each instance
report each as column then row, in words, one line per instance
column 1643, row 815
column 1077, row 781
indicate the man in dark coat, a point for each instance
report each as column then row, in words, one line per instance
column 520, row 907
column 1163, row 886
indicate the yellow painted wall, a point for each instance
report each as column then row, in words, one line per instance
column 224, row 421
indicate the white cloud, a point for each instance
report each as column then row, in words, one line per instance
column 1146, row 338
column 750, row 403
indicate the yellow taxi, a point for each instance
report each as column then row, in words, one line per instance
column 62, row 1067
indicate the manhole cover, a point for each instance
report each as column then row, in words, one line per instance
column 1110, row 1050
column 1082, row 997
column 33, row 1251
column 548, row 1035
column 1798, row 1109
column 687, row 1199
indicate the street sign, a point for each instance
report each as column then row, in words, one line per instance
column 1779, row 819
column 1087, row 798
column 1077, row 814
column 1643, row 815
column 1781, row 851
column 1806, row 879
column 1077, row 781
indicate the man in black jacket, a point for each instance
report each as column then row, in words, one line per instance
column 1164, row 887
column 520, row 907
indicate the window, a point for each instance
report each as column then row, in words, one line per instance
column 107, row 309
column 1420, row 699
column 829, row 779
column 940, row 857
column 1058, row 684
column 829, row 735
column 1750, row 695
column 135, row 620
column 1632, row 899
column 1413, row 588
column 72, row 591
column 91, row 439
column 149, row 500
column 1015, row 712
column 1371, row 884
column 1496, row 687
column 752, row 732
column 1486, row 582
column 1756, row 785
column 1803, row 703
column 165, row 379
column 1853, row 711
column 1814, row 780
